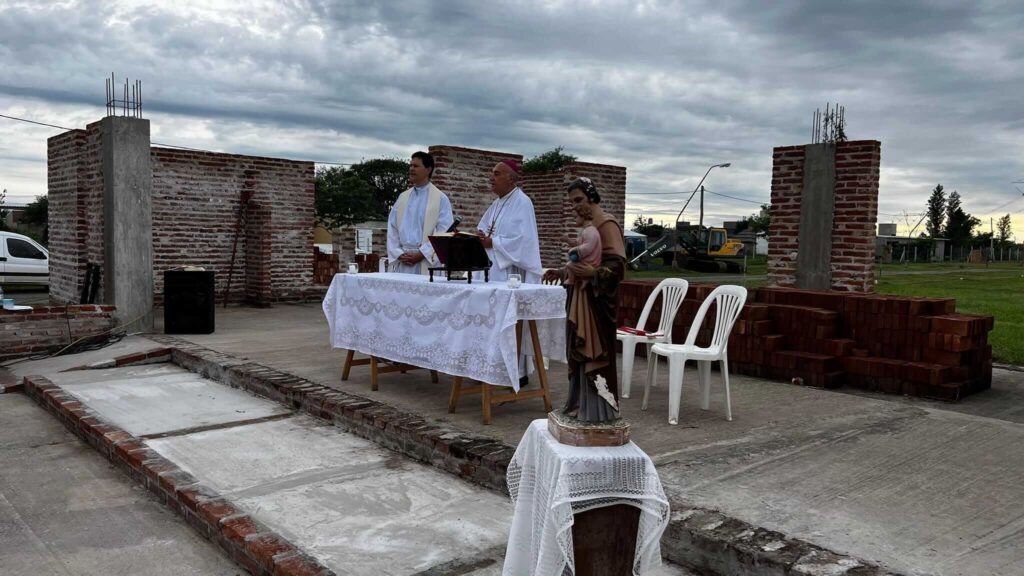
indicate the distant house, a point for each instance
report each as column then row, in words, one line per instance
column 889, row 246
column 15, row 212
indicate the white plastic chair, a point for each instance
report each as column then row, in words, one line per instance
column 672, row 291
column 729, row 301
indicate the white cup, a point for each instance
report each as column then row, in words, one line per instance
column 513, row 281
column 353, row 268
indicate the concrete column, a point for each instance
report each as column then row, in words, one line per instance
column 128, row 220
column 817, row 205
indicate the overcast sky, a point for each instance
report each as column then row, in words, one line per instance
column 662, row 88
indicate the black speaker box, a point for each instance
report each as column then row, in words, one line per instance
column 189, row 302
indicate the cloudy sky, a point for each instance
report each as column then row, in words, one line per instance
column 663, row 88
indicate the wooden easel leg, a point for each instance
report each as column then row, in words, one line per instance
column 453, row 400
column 486, row 396
column 519, row 339
column 433, row 376
column 538, row 357
column 348, row 365
column 373, row 373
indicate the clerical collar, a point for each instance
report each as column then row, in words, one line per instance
column 421, row 188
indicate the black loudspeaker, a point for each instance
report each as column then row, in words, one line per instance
column 189, row 302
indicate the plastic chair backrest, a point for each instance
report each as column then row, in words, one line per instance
column 672, row 291
column 729, row 302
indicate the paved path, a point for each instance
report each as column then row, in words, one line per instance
column 65, row 511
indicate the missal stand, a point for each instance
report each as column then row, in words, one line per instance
column 460, row 252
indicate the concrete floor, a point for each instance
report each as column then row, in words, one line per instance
column 358, row 508
column 922, row 487
column 65, row 511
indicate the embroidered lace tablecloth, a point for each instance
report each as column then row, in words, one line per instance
column 549, row 482
column 453, row 327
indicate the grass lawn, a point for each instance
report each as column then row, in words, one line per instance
column 996, row 290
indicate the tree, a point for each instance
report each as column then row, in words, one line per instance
column 361, row 192
column 1003, row 231
column 647, row 227
column 761, row 221
column 388, row 177
column 342, row 198
column 959, row 224
column 936, row 213
column 3, row 211
column 37, row 214
column 551, row 160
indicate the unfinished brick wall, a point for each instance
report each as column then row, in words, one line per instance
column 196, row 199
column 65, row 172
column 464, row 174
column 857, row 170
column 50, row 328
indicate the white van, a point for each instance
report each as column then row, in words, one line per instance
column 23, row 261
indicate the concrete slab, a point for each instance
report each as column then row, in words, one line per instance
column 270, row 454
column 921, row 486
column 358, row 508
column 65, row 511
column 164, row 398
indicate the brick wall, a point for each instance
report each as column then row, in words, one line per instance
column 464, row 174
column 46, row 328
column 196, row 199
column 66, row 236
column 856, row 208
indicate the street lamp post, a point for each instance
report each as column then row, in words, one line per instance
column 713, row 166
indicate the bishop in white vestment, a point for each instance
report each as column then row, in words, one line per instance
column 419, row 212
column 508, row 229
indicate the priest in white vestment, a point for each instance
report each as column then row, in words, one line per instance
column 419, row 212
column 508, row 229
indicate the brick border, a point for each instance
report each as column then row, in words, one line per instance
column 698, row 538
column 254, row 547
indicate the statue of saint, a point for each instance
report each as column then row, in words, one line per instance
column 596, row 266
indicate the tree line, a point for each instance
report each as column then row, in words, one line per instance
column 946, row 218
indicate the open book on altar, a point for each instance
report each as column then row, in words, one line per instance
column 460, row 251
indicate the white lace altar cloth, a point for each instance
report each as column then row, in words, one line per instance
column 549, row 482
column 453, row 327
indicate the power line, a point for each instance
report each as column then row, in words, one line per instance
column 706, row 190
column 161, row 144
column 34, row 122
column 735, row 198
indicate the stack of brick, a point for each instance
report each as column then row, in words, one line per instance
column 325, row 266
column 892, row 344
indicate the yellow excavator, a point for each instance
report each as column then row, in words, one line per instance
column 696, row 247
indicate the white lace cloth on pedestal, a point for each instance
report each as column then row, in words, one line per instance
column 453, row 327
column 549, row 481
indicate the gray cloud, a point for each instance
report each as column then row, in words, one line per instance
column 664, row 88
